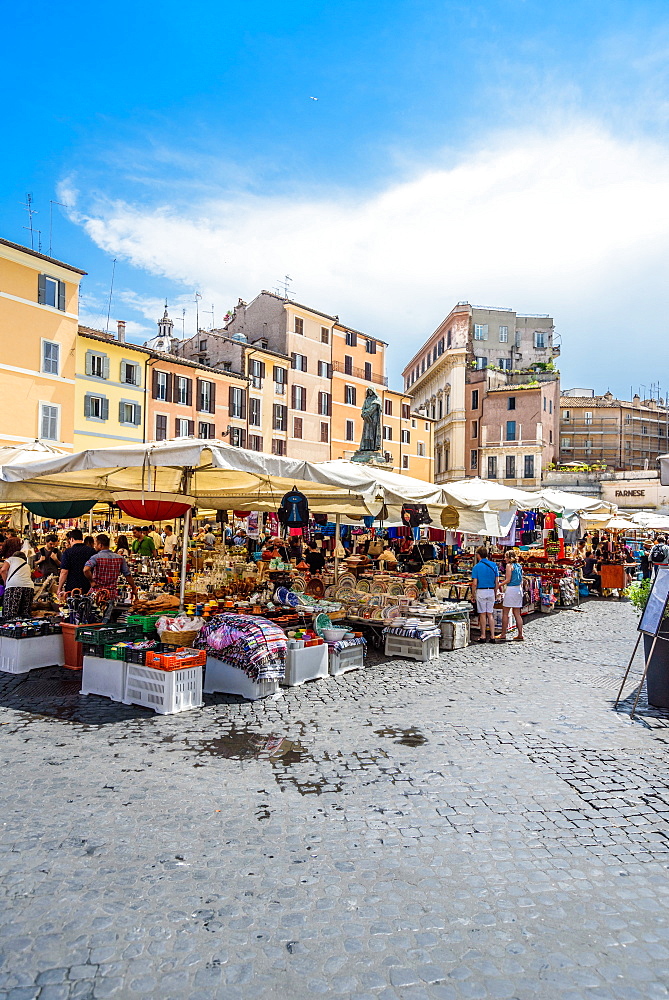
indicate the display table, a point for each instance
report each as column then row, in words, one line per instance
column 18, row 656
column 224, row 677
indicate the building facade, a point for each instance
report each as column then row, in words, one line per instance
column 470, row 339
column 109, row 390
column 620, row 434
column 512, row 426
column 38, row 334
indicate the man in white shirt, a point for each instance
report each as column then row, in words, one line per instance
column 171, row 541
column 156, row 536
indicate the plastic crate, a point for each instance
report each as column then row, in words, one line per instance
column 112, row 652
column 413, row 649
column 108, row 635
column 147, row 623
column 228, row 679
column 176, row 660
column 307, row 664
column 165, row 691
column 133, row 655
column 454, row 634
column 349, row 658
column 104, row 677
column 18, row 656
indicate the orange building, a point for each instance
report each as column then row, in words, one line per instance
column 187, row 399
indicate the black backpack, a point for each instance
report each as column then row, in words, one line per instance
column 659, row 553
column 294, row 510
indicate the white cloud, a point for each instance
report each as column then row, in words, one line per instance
column 574, row 223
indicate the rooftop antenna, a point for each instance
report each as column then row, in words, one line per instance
column 111, row 290
column 285, row 286
column 51, row 204
column 210, row 312
column 197, row 312
column 183, row 323
column 28, row 205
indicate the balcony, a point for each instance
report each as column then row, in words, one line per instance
column 338, row 366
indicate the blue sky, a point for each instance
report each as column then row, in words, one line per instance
column 511, row 153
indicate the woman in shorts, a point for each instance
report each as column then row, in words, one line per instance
column 513, row 595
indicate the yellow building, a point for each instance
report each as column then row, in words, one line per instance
column 109, row 398
column 38, row 335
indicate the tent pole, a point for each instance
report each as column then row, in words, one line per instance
column 184, row 542
column 337, row 536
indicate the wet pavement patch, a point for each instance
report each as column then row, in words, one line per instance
column 411, row 737
column 248, row 744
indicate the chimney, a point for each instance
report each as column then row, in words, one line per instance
column 121, row 331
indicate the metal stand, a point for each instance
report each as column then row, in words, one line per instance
column 645, row 671
column 629, row 665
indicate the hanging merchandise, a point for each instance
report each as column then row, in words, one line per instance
column 323, row 519
column 415, row 514
column 294, row 509
column 154, row 506
column 60, row 509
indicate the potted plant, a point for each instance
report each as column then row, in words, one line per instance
column 657, row 678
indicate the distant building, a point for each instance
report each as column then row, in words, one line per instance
column 472, row 339
column 623, row 435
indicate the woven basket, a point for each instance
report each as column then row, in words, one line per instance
column 179, row 638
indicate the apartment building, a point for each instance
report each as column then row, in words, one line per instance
column 512, row 426
column 470, row 338
column 620, row 434
column 357, row 363
column 38, row 334
column 187, row 399
column 109, row 390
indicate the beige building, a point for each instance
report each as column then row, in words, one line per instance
column 38, row 336
column 620, row 434
column 470, row 338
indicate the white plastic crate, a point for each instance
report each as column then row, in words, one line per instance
column 307, row 664
column 18, row 656
column 104, row 677
column 228, row 679
column 454, row 634
column 414, row 649
column 349, row 658
column 165, row 691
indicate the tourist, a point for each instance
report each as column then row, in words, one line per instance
column 156, row 537
column 17, row 578
column 104, row 568
column 591, row 568
column 72, row 564
column 659, row 554
column 171, row 541
column 89, row 540
column 210, row 538
column 122, row 547
column 513, row 594
column 315, row 558
column 485, row 587
column 48, row 557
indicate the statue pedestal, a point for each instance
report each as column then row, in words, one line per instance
column 375, row 458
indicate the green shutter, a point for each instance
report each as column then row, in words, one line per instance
column 87, row 405
column 61, row 296
column 121, row 413
column 41, row 290
column 89, row 360
column 105, row 366
column 105, row 408
column 138, row 414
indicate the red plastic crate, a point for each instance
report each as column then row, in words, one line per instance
column 170, row 661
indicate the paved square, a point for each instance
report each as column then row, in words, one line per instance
column 483, row 826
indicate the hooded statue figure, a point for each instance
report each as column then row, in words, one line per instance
column 371, row 423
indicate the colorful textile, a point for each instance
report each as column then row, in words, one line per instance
column 337, row 647
column 254, row 645
column 413, row 628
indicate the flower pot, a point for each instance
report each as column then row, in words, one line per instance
column 657, row 678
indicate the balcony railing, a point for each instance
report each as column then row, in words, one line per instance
column 338, row 366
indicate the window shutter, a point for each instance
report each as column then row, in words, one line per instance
column 138, row 415
column 105, row 409
column 329, row 405
column 199, row 394
column 304, row 362
column 87, row 405
column 120, row 413
column 61, row 296
column 262, row 369
column 284, row 418
column 231, row 397
column 169, row 382
column 277, row 377
column 105, row 366
column 89, row 360
column 123, row 371
column 242, row 439
column 41, row 289
column 191, row 428
column 243, row 413
column 212, row 397
column 293, row 395
column 293, row 360
column 154, row 383
column 189, row 392
column 176, row 426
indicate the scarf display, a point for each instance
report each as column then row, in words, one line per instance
column 254, row 645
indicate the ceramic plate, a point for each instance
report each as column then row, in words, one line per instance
column 320, row 622
column 377, row 614
column 363, row 586
column 378, row 588
column 411, row 592
column 390, row 613
column 298, row 584
column 280, row 594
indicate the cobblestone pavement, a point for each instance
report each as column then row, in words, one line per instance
column 481, row 827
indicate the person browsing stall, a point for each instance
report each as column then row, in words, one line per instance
column 72, row 564
column 513, row 595
column 314, row 558
column 171, row 541
column 142, row 543
column 48, row 557
column 104, row 568
column 485, row 588
column 17, row 578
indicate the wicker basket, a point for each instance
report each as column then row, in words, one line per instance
column 179, row 638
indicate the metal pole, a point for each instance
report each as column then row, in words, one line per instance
column 337, row 529
column 636, row 646
column 645, row 671
column 184, row 558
